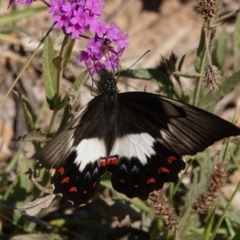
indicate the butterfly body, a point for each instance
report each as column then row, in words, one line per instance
column 139, row 138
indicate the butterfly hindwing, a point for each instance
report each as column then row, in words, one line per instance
column 76, row 185
column 137, row 177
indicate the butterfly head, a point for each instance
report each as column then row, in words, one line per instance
column 111, row 85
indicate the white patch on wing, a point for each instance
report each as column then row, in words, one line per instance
column 134, row 145
column 89, row 150
column 164, row 135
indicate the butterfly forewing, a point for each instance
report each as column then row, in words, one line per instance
column 140, row 138
column 181, row 128
column 75, row 152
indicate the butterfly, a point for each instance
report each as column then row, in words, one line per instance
column 140, row 138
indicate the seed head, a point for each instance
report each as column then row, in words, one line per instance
column 164, row 210
column 212, row 79
column 217, row 181
column 207, row 8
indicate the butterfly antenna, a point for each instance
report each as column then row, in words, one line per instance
column 139, row 59
column 118, row 71
column 99, row 77
column 93, row 80
column 113, row 73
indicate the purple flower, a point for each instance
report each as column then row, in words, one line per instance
column 75, row 30
column 104, row 52
column 93, row 47
column 68, row 9
column 112, row 63
column 56, row 6
column 113, row 32
column 77, row 16
column 95, row 6
column 83, row 56
column 61, row 21
column 99, row 28
column 122, row 41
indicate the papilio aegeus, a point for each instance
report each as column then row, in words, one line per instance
column 139, row 137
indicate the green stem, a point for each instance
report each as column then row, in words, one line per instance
column 54, row 116
column 224, row 212
column 206, row 54
column 224, row 158
column 207, row 42
column 199, row 79
column 226, row 16
column 187, row 75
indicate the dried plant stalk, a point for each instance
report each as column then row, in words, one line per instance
column 217, row 181
column 164, row 210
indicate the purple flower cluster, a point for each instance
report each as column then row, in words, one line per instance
column 105, row 49
column 76, row 17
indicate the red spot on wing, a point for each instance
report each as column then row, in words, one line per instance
column 94, row 184
column 73, row 189
column 121, row 180
column 112, row 161
column 102, row 162
column 136, row 186
column 151, row 180
column 61, row 170
column 170, row 159
column 163, row 170
column 65, row 180
column 85, row 192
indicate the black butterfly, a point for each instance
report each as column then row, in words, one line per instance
column 139, row 137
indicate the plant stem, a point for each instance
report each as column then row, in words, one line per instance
column 187, row 75
column 224, row 212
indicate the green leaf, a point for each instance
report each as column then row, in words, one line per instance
column 237, row 236
column 33, row 136
column 209, row 222
column 68, row 51
column 18, row 193
column 135, row 201
column 219, row 54
column 61, row 104
column 13, row 16
column 179, row 69
column 13, row 28
column 12, row 164
column 200, row 51
column 79, row 80
column 57, row 62
column 50, row 73
column 28, row 113
column 236, row 43
column 148, row 74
